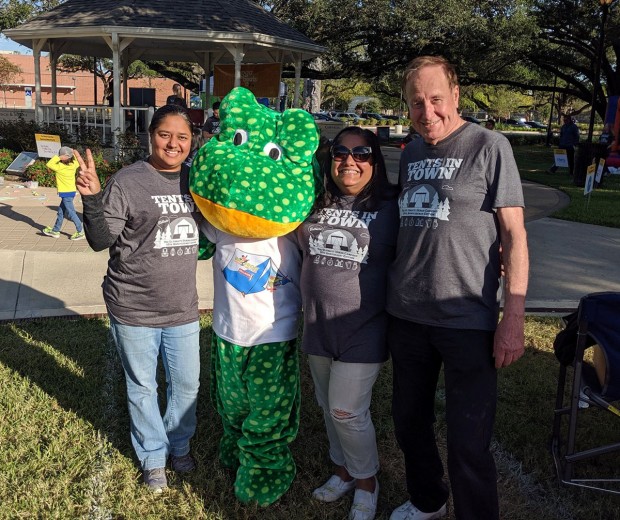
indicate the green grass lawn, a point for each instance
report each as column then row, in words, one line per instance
column 601, row 207
column 64, row 436
column 65, row 449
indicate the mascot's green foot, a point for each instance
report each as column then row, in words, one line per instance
column 263, row 486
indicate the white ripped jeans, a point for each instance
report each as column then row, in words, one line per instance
column 344, row 391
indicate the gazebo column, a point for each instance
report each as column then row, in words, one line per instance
column 118, row 118
column 297, row 79
column 238, row 54
column 116, row 88
column 125, row 66
column 206, row 66
column 37, row 45
column 208, row 91
column 53, row 65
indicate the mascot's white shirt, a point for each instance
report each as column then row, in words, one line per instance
column 256, row 284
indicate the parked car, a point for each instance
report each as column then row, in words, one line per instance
column 537, row 125
column 347, row 116
column 371, row 115
column 471, row 119
column 517, row 124
column 319, row 116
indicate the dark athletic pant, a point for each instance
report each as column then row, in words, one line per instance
column 418, row 352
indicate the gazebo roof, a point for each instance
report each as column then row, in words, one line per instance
column 166, row 30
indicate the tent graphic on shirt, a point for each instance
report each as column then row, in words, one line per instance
column 339, row 243
column 423, row 201
column 179, row 232
column 250, row 273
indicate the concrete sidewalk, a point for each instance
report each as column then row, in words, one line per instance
column 42, row 276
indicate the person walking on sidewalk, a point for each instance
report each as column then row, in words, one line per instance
column 569, row 138
column 65, row 166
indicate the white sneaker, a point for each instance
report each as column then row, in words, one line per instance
column 364, row 504
column 410, row 512
column 333, row 489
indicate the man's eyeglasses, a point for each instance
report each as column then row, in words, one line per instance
column 359, row 153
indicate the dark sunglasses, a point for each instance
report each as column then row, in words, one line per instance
column 359, row 153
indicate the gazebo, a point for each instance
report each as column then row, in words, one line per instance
column 207, row 32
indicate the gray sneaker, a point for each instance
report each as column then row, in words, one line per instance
column 182, row 463
column 155, row 479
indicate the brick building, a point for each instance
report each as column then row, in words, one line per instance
column 73, row 88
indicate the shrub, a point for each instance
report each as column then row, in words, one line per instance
column 526, row 139
column 89, row 137
column 6, row 158
column 129, row 148
column 19, row 136
column 39, row 172
column 105, row 169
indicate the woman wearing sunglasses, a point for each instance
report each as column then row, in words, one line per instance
column 348, row 242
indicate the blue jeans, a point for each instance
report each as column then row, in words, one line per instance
column 66, row 207
column 155, row 437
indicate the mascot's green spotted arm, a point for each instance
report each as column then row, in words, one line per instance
column 255, row 183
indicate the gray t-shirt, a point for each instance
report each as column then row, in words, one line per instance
column 151, row 278
column 346, row 255
column 447, row 266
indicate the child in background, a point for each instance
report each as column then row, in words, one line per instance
column 65, row 166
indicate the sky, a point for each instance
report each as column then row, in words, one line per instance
column 10, row 45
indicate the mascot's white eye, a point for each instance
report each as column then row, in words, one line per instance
column 241, row 136
column 273, row 150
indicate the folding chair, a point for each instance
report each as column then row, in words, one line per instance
column 598, row 322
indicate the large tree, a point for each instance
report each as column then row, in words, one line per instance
column 523, row 44
column 8, row 73
column 102, row 68
column 16, row 12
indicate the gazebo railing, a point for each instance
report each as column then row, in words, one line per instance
column 98, row 117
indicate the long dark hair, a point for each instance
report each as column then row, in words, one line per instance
column 169, row 110
column 377, row 189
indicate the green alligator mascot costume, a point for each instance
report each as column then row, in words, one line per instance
column 255, row 182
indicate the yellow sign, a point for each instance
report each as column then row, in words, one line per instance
column 589, row 186
column 262, row 79
column 47, row 144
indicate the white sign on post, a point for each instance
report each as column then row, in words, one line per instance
column 589, row 180
column 47, row 145
column 561, row 159
column 28, row 97
column 599, row 171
